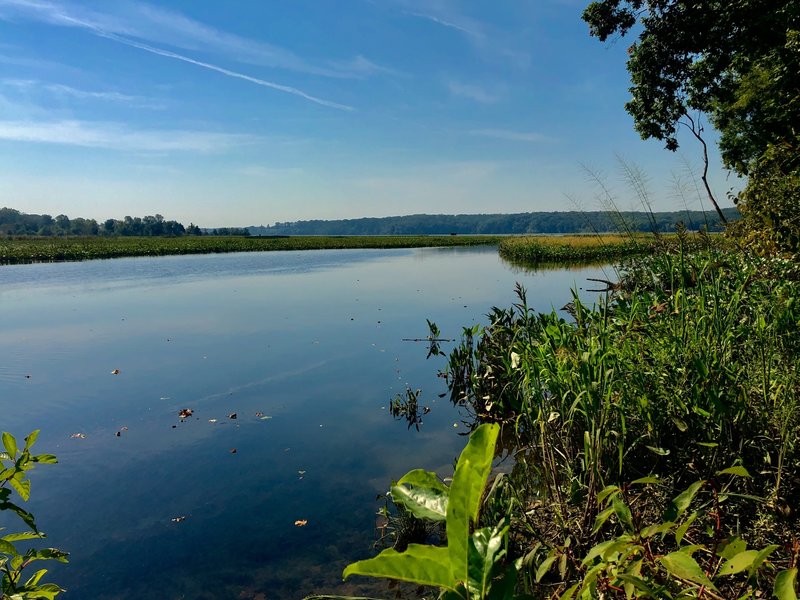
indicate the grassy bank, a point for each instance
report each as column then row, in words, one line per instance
column 29, row 250
column 656, row 437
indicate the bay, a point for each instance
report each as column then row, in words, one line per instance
column 305, row 348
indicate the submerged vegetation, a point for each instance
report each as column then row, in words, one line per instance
column 655, row 436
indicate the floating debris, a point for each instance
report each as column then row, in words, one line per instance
column 119, row 433
column 164, row 398
column 212, row 420
column 259, row 414
column 301, row 523
column 115, row 372
column 185, row 413
column 233, row 416
column 79, row 436
column 233, row 451
column 179, row 519
column 27, row 376
column 301, row 473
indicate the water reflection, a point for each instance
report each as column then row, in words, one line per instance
column 311, row 339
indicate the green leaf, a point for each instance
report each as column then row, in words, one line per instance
column 7, row 547
column 645, row 480
column 598, row 550
column 31, row 439
column 545, row 567
column 732, row 547
column 35, row 578
column 657, row 528
column 682, row 501
column 26, row 535
column 569, row 593
column 738, row 563
column 784, row 585
column 21, row 512
column 420, row 564
column 738, row 471
column 423, row 503
column 683, row 566
column 21, row 486
column 683, row 528
column 762, row 556
column 466, row 490
column 623, row 514
column 659, row 451
column 10, row 444
column 45, row 459
column 606, row 492
column 423, row 478
column 601, row 518
column 485, row 550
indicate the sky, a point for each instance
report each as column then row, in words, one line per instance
column 261, row 111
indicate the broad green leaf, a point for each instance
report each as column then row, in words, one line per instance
column 623, row 514
column 598, row 550
column 656, row 529
column 682, row 501
column 45, row 459
column 31, row 439
column 420, row 564
column 10, row 444
column 26, row 535
column 5, row 456
column 738, row 563
column 423, row 478
column 606, row 492
column 637, row 583
column 47, row 554
column 21, row 486
column 762, row 556
column 21, row 512
column 466, row 489
column 34, row 579
column 545, row 566
column 569, row 593
column 659, row 451
column 784, row 585
column 732, row 547
column 423, row 503
column 738, row 471
column 7, row 547
column 485, row 550
column 601, row 518
column 683, row 566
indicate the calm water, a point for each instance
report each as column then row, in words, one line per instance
column 312, row 340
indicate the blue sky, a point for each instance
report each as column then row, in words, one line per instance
column 256, row 111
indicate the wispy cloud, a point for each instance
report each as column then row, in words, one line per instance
column 173, row 29
column 116, row 136
column 69, row 91
column 511, row 135
column 473, row 92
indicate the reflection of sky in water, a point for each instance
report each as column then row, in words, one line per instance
column 311, row 339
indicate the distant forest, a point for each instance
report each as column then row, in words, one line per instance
column 14, row 222
column 519, row 223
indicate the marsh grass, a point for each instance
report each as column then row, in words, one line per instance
column 32, row 250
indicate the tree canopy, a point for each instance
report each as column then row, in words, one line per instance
column 736, row 60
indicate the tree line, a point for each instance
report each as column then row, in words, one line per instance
column 16, row 223
column 494, row 224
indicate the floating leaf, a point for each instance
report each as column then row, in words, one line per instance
column 79, row 436
column 301, row 523
column 185, row 413
column 115, row 372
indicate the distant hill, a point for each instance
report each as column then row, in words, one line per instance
column 519, row 223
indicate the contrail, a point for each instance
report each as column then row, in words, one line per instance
column 256, row 80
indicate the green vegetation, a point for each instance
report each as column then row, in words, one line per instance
column 16, row 223
column 520, row 223
column 565, row 249
column 28, row 250
column 736, row 62
column 16, row 462
column 656, row 437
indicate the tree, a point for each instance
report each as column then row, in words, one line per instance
column 736, row 61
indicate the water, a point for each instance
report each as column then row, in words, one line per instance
column 312, row 340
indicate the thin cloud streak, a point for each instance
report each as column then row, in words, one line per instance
column 115, row 136
column 473, row 92
column 59, row 89
column 510, row 135
column 56, row 15
column 275, row 86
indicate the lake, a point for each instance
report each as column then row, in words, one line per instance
column 305, row 348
